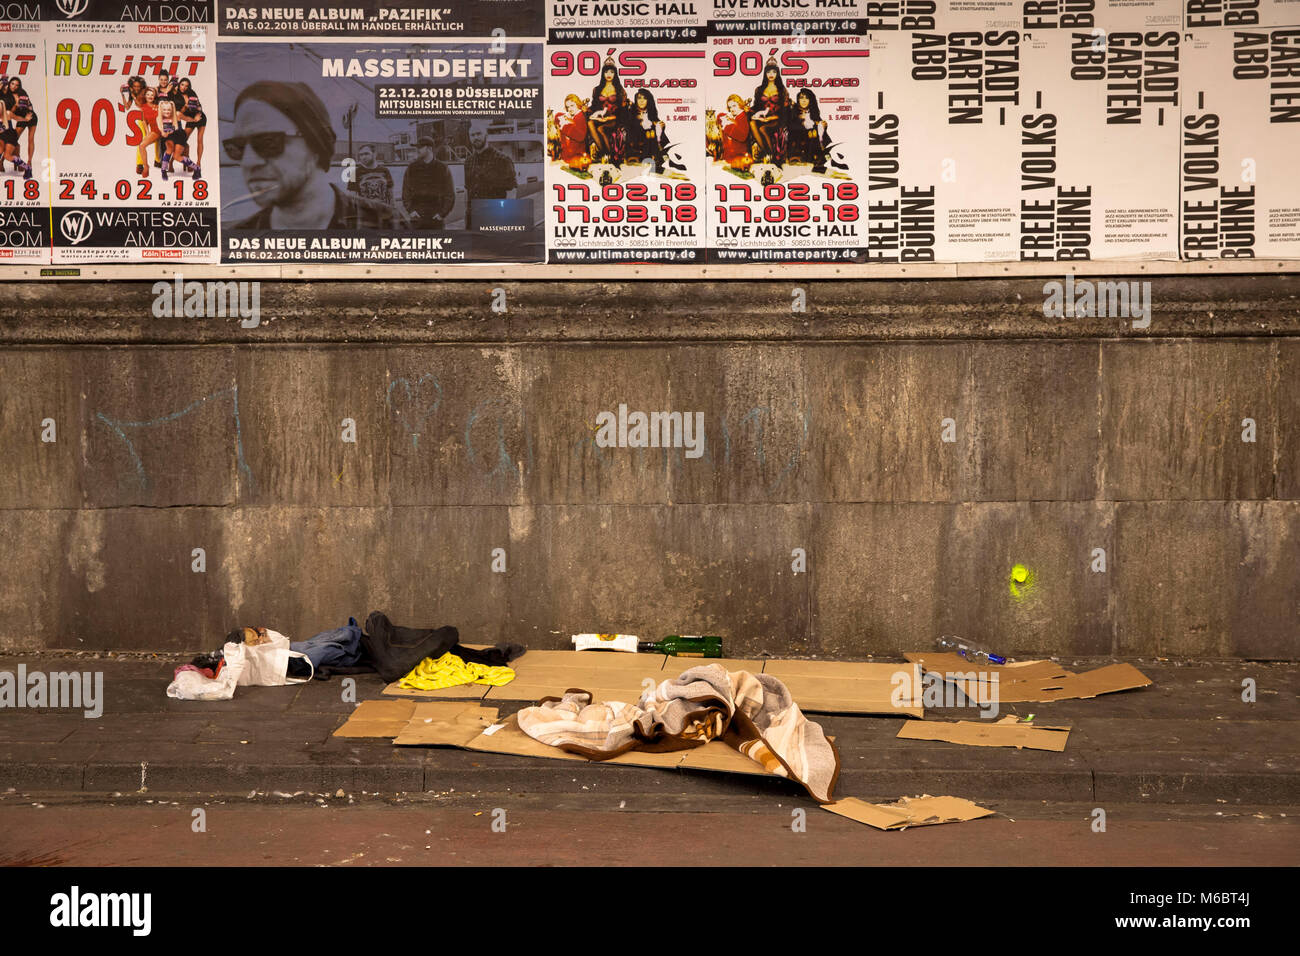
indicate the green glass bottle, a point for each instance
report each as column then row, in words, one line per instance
column 684, row 645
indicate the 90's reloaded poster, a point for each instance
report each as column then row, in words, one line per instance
column 625, row 174
column 348, row 152
column 630, row 21
column 786, row 139
column 792, row 17
column 129, row 130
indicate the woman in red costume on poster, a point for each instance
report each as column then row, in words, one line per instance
column 735, row 130
column 769, row 115
column 148, row 105
column 608, row 116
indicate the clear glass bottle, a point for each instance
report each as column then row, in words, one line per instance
column 968, row 649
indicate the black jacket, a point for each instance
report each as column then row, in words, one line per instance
column 489, row 174
column 427, row 188
column 394, row 651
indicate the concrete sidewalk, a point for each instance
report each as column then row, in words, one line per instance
column 600, row 828
column 1189, row 739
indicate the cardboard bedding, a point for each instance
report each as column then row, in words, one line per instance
column 826, row 687
column 472, row 726
column 476, row 727
column 466, row 717
column 820, row 687
column 1030, row 681
column 1008, row 732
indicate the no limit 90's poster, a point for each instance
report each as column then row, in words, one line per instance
column 130, row 130
column 625, row 173
column 786, row 138
column 350, row 152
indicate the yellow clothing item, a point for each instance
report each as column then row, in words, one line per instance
column 450, row 671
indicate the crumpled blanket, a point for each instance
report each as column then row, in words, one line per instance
column 753, row 713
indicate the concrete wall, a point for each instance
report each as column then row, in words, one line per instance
column 476, row 430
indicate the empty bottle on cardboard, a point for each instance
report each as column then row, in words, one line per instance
column 684, row 645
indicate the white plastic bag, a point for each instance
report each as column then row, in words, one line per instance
column 268, row 664
column 265, row 665
column 191, row 685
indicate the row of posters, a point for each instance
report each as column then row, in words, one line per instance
column 728, row 131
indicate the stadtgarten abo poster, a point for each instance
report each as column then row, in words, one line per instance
column 1113, row 88
column 946, row 120
column 1240, row 140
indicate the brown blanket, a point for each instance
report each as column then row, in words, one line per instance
column 752, row 712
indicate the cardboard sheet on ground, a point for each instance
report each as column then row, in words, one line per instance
column 754, row 666
column 445, row 724
column 474, row 727
column 1007, row 732
column 377, row 718
column 459, row 692
column 1030, row 681
column 608, row 675
column 1007, row 673
column 838, row 687
column 908, row 812
column 828, row 687
column 605, row 660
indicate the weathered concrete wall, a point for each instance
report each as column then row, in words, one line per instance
column 476, row 431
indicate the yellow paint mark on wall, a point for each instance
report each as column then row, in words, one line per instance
column 1021, row 581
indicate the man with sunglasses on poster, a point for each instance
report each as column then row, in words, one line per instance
column 282, row 139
